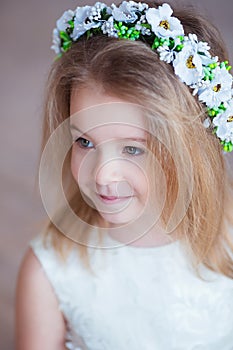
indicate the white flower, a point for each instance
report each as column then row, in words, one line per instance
column 219, row 90
column 108, row 28
column 188, row 64
column 139, row 26
column 166, row 54
column 95, row 11
column 142, row 29
column 126, row 12
column 208, row 60
column 163, row 25
column 140, row 6
column 87, row 17
column 62, row 22
column 199, row 85
column 56, row 42
column 201, row 46
column 224, row 122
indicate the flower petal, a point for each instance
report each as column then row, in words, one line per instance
column 162, row 24
column 188, row 64
column 219, row 90
column 62, row 22
column 165, row 11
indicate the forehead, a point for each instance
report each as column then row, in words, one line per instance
column 91, row 109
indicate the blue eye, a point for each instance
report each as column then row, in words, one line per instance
column 84, row 143
column 132, row 150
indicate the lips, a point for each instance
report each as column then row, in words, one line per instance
column 112, row 199
column 109, row 197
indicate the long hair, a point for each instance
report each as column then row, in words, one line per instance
column 133, row 72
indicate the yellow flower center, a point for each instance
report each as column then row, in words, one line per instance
column 230, row 119
column 164, row 24
column 217, row 88
column 189, row 63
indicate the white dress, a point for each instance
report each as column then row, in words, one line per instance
column 139, row 299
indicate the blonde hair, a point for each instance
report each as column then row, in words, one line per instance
column 132, row 71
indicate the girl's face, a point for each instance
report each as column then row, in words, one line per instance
column 109, row 154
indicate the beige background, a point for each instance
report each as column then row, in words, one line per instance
column 25, row 38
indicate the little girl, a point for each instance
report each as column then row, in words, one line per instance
column 137, row 253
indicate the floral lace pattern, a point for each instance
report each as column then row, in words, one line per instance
column 139, row 298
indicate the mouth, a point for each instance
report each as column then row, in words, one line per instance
column 113, row 199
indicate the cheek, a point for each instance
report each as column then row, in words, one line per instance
column 81, row 165
column 139, row 180
column 142, row 185
column 75, row 164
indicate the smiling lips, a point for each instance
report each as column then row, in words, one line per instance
column 112, row 199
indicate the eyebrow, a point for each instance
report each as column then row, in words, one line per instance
column 75, row 128
column 122, row 138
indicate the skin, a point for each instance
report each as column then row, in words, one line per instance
column 108, row 160
column 38, row 322
column 108, row 163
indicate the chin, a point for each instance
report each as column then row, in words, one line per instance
column 117, row 219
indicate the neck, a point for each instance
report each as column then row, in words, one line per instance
column 154, row 237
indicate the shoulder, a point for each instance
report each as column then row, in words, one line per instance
column 39, row 322
column 30, row 264
column 31, row 274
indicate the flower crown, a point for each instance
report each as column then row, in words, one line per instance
column 190, row 58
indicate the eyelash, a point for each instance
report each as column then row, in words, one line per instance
column 127, row 149
column 80, row 140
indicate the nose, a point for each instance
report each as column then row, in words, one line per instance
column 110, row 179
column 111, row 173
column 108, row 164
column 108, row 170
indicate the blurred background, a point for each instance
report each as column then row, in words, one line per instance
column 25, row 40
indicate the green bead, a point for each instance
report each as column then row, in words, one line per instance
column 222, row 108
column 212, row 65
column 156, row 43
column 212, row 113
column 181, row 38
column 228, row 147
column 179, row 47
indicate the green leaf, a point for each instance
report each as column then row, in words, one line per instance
column 88, row 34
column 64, row 36
column 71, row 23
column 66, row 45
